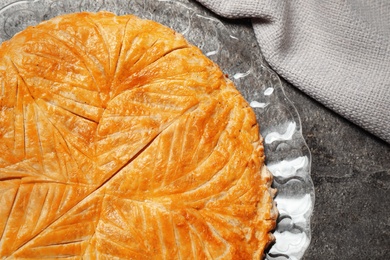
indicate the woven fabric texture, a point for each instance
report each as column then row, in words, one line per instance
column 338, row 52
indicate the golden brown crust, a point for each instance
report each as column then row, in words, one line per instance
column 119, row 139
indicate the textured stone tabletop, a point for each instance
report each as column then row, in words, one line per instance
column 351, row 175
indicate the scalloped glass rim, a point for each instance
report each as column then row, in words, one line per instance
column 288, row 156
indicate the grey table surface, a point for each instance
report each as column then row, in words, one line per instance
column 351, row 175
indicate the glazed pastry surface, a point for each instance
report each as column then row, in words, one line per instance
column 119, row 139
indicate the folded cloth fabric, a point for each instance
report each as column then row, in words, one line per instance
column 338, row 52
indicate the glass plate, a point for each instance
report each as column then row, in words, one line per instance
column 288, row 156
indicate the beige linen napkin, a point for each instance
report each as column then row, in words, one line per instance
column 338, row 52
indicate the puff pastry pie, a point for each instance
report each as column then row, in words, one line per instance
column 119, row 139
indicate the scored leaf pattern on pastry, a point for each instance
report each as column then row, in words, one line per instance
column 119, row 139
